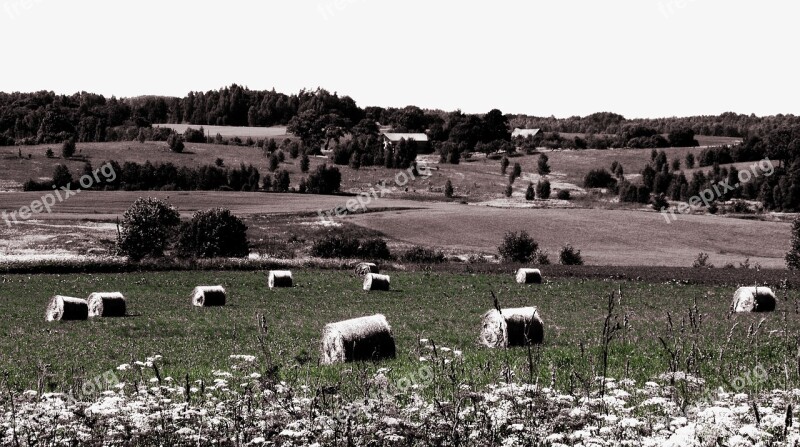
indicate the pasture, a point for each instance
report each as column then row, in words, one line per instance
column 445, row 308
column 231, row 131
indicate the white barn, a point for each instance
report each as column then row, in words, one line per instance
column 524, row 133
column 394, row 138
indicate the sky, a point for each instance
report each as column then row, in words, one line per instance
column 639, row 58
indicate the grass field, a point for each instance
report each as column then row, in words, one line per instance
column 231, row 131
column 445, row 308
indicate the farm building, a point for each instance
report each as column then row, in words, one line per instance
column 524, row 133
column 394, row 138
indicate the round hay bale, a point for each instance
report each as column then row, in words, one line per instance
column 366, row 338
column 280, row 278
column 209, row 296
column 529, row 276
column 512, row 327
column 754, row 299
column 365, row 268
column 374, row 281
column 64, row 308
column 103, row 304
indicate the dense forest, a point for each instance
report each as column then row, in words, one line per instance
column 323, row 119
column 45, row 117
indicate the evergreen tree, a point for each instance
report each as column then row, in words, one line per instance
column 517, row 170
column 530, row 193
column 68, row 148
column 793, row 257
column 543, row 189
column 690, row 160
column 304, row 163
column 274, row 162
column 504, row 165
column 448, row 189
column 542, row 166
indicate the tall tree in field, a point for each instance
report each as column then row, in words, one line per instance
column 495, row 127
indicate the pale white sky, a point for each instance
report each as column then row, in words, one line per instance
column 640, row 58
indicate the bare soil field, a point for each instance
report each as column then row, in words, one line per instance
column 605, row 237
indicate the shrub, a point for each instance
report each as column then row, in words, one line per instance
column 517, row 170
column 147, row 228
column 518, row 247
column 68, row 148
column 61, row 176
column 570, row 256
column 542, row 258
column 563, row 194
column 335, row 246
column 423, row 255
column 543, row 166
column 274, row 162
column 660, row 202
column 304, row 163
column 702, row 262
column 543, row 189
column 195, row 135
column 374, row 248
column 282, row 181
column 294, row 149
column 504, row 165
column 599, row 178
column 509, row 191
column 530, row 193
column 324, row 180
column 49, row 153
column 448, row 189
column 175, row 143
column 214, row 233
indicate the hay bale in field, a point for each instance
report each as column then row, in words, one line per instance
column 754, row 299
column 377, row 282
column 366, row 338
column 209, row 296
column 67, row 308
column 529, row 276
column 365, row 268
column 103, row 304
column 514, row 327
column 280, row 278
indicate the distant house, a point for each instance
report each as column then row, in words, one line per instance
column 394, row 138
column 524, row 133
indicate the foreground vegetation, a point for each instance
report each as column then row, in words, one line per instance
column 684, row 331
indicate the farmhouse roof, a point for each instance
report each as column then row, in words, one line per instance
column 524, row 133
column 395, row 137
